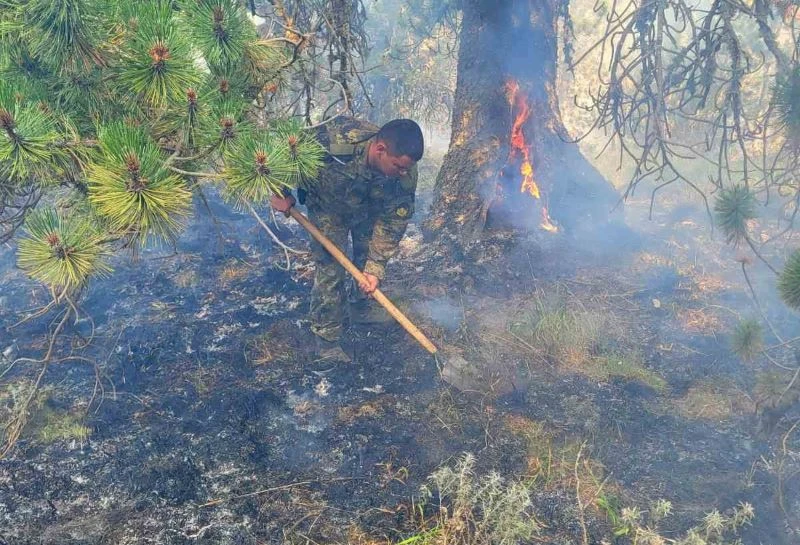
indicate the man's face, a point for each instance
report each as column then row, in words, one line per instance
column 393, row 166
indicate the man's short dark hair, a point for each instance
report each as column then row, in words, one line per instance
column 402, row 137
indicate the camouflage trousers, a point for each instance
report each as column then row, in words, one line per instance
column 333, row 287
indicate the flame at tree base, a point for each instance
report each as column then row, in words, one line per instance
column 528, row 185
column 547, row 224
column 520, row 148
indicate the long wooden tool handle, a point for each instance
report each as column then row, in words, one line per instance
column 352, row 269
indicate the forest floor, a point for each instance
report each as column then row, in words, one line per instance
column 199, row 416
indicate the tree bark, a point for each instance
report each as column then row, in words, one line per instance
column 479, row 185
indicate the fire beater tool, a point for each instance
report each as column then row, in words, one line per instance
column 378, row 295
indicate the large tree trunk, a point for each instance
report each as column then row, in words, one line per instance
column 480, row 184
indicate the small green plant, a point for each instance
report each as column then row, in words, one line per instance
column 62, row 426
column 612, row 507
column 627, row 366
column 626, row 521
column 641, row 527
column 40, row 420
column 473, row 509
column 18, row 402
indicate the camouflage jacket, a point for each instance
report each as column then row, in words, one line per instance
column 357, row 195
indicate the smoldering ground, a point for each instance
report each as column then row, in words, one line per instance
column 214, row 397
column 598, row 372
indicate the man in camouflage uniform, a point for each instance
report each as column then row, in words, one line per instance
column 365, row 191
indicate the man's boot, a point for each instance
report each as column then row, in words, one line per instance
column 330, row 351
column 365, row 311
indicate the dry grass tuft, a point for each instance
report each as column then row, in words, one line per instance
column 186, row 278
column 702, row 321
column 714, row 400
column 234, row 271
column 351, row 413
column 658, row 260
column 707, row 284
column 357, row 536
column 269, row 348
column 628, row 366
column 775, row 388
column 305, row 408
column 540, row 451
column 557, row 464
column 444, row 412
column 562, row 334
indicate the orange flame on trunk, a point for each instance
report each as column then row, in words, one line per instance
column 518, row 144
column 520, row 147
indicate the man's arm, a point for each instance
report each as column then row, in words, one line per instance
column 391, row 225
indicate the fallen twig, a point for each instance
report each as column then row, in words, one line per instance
column 273, row 489
column 581, row 517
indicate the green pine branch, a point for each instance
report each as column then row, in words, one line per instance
column 256, row 168
column 131, row 188
column 27, row 137
column 61, row 251
column 65, row 34
column 220, row 29
column 156, row 61
column 305, row 153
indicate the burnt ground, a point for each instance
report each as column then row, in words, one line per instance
column 210, row 422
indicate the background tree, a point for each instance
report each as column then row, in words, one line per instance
column 707, row 95
column 423, row 88
column 704, row 95
column 509, row 160
column 720, row 74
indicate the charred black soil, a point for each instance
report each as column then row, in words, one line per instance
column 211, row 423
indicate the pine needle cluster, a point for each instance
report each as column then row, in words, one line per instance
column 223, row 123
column 156, row 61
column 256, row 168
column 305, row 152
column 220, row 29
column 61, row 251
column 65, row 34
column 747, row 340
column 27, row 138
column 789, row 282
column 786, row 101
column 132, row 190
column 734, row 208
